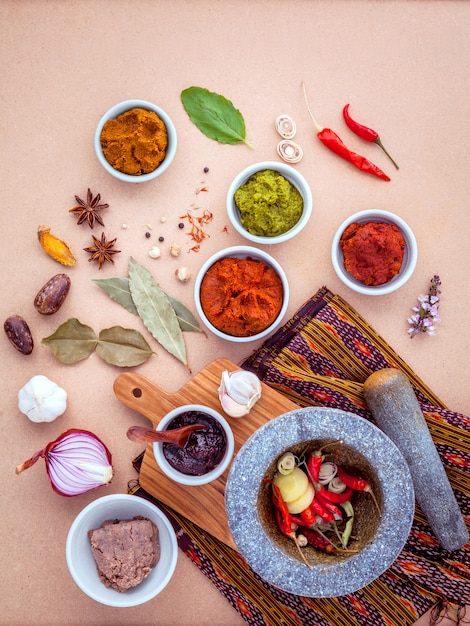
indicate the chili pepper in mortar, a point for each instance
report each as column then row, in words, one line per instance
column 357, row 484
column 331, row 140
column 283, row 519
column 364, row 132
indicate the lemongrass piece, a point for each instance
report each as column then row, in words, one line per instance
column 286, row 463
column 285, row 126
column 336, row 485
column 289, row 151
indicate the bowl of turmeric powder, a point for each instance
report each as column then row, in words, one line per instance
column 135, row 141
column 374, row 252
column 241, row 294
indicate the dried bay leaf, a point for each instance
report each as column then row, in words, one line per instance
column 72, row 341
column 119, row 291
column 123, row 347
column 155, row 310
column 214, row 115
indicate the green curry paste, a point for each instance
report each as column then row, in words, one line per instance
column 269, row 204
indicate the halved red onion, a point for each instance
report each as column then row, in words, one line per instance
column 76, row 462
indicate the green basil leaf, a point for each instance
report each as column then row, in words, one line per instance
column 118, row 290
column 155, row 310
column 72, row 341
column 123, row 347
column 214, row 115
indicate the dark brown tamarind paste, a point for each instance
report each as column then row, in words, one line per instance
column 373, row 252
column 204, row 449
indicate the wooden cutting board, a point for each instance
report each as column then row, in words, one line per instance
column 203, row 505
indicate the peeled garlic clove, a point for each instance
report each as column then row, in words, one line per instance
column 240, row 388
column 289, row 151
column 285, row 126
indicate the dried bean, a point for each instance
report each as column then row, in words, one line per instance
column 51, row 296
column 19, row 334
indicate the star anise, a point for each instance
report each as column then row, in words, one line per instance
column 88, row 210
column 102, row 250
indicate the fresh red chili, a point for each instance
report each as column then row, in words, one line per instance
column 331, row 140
column 317, row 507
column 308, row 517
column 364, row 132
column 358, row 484
column 313, row 464
column 337, row 498
column 327, row 504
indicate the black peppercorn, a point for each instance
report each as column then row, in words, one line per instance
column 147, row 234
column 206, row 169
column 161, row 238
column 181, row 225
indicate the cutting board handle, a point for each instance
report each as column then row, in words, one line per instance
column 140, row 394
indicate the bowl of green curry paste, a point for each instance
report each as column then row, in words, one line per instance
column 269, row 202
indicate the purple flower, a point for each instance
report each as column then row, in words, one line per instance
column 427, row 313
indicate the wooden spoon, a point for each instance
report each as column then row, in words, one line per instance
column 178, row 436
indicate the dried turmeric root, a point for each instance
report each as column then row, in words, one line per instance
column 54, row 247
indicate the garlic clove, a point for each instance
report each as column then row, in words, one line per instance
column 232, row 408
column 239, row 389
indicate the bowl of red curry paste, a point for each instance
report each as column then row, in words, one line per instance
column 241, row 294
column 374, row 252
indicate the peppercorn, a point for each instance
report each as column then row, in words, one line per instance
column 147, row 234
column 161, row 238
column 206, row 169
column 181, row 225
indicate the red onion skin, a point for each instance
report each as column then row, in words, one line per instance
column 48, row 451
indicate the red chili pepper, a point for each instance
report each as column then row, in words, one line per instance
column 327, row 504
column 317, row 541
column 358, row 484
column 331, row 140
column 337, row 498
column 313, row 464
column 364, row 132
column 318, row 509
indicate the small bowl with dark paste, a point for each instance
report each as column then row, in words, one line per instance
column 269, row 202
column 374, row 252
column 135, row 141
column 208, row 451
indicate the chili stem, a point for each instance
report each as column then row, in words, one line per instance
column 318, row 128
column 379, row 143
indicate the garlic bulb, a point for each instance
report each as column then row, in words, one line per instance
column 42, row 400
column 238, row 392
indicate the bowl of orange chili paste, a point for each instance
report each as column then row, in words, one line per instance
column 241, row 294
column 374, row 252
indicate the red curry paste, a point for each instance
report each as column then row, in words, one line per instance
column 373, row 252
column 241, row 297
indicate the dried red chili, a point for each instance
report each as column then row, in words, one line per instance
column 364, row 132
column 331, row 140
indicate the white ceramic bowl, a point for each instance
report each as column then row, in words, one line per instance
column 186, row 479
column 293, row 176
column 80, row 559
column 241, row 252
column 410, row 257
column 117, row 110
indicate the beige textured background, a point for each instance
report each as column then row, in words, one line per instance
column 402, row 65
